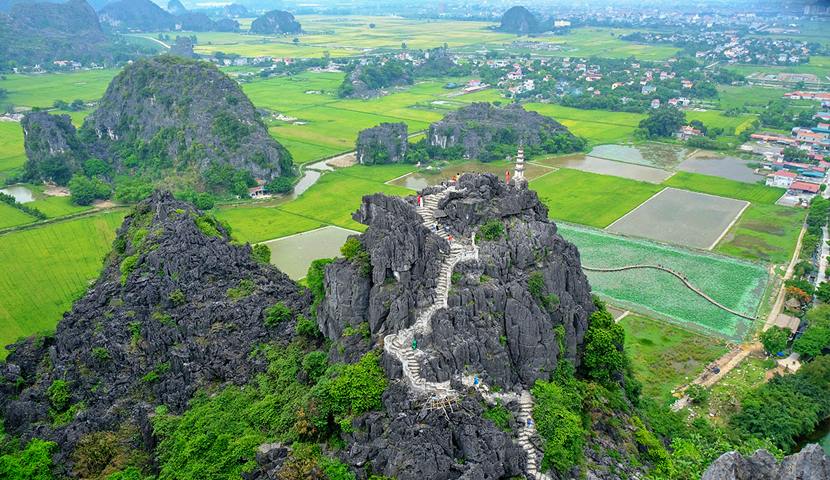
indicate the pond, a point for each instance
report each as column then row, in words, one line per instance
column 587, row 163
column 294, row 254
column 820, row 435
column 730, row 168
column 659, row 155
column 21, row 194
column 426, row 177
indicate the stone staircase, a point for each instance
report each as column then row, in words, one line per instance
column 400, row 344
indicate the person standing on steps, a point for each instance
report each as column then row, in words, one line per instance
column 450, row 240
column 435, row 225
column 508, row 176
column 528, row 422
column 420, row 201
column 414, row 344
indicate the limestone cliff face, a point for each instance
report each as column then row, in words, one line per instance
column 276, row 22
column 170, row 316
column 493, row 327
column 52, row 150
column 385, row 143
column 519, row 20
column 809, row 464
column 474, row 126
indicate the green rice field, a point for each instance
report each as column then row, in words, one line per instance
column 665, row 357
column 46, row 268
column 12, row 154
column 12, row 217
column 722, row 187
column 597, row 127
column 737, row 284
column 43, row 90
column 765, row 232
column 589, row 198
column 54, row 207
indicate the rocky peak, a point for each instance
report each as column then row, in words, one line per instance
column 52, row 149
column 175, row 7
column 518, row 20
column 385, row 143
column 177, row 306
column 474, row 126
column 276, row 22
column 809, row 464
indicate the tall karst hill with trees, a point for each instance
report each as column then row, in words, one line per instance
column 145, row 15
column 35, row 33
column 276, row 22
column 520, row 21
column 165, row 119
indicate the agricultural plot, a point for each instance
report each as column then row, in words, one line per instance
column 11, row 217
column 722, row 187
column 604, row 42
column 601, row 166
column 737, row 284
column 764, row 232
column 664, row 356
column 256, row 224
column 649, row 154
column 46, row 268
column 12, row 153
column 681, row 217
column 595, row 126
column 43, row 90
column 293, row 255
column 713, row 118
column 589, row 198
column 736, row 97
column 54, row 207
column 730, row 168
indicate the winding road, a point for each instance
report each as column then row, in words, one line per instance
column 681, row 277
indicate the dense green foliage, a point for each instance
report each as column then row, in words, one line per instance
column 32, row 463
column 59, row 394
column 85, row 191
column 10, row 200
column 316, row 274
column 225, row 428
column 774, row 339
column 261, row 253
column 354, row 250
column 279, row 185
column 492, row 230
column 277, row 314
column 603, row 347
column 663, row 121
column 559, row 421
column 788, row 407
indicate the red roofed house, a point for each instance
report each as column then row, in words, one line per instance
column 782, row 179
column 685, row 132
column 803, row 188
column 808, row 137
column 256, row 192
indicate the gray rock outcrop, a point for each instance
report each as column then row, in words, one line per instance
column 809, row 464
column 476, row 125
column 171, row 316
column 276, row 22
column 52, row 150
column 385, row 143
column 493, row 328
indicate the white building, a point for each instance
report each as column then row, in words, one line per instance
column 781, row 178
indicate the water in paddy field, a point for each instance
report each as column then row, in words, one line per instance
column 424, row 178
column 591, row 164
column 293, row 255
column 731, row 168
column 820, row 435
column 21, row 194
column 650, row 154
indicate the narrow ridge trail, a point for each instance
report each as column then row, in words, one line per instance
column 400, row 344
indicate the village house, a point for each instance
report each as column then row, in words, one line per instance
column 655, row 103
column 685, row 132
column 648, row 89
column 781, row 179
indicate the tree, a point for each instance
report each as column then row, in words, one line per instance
column 603, row 346
column 663, row 121
column 814, row 340
column 792, row 154
column 262, row 253
column 60, row 105
column 371, row 25
column 775, row 339
column 77, row 105
column 95, row 166
column 823, row 292
column 85, row 191
column 296, row 40
column 279, row 185
column 203, row 201
column 403, row 45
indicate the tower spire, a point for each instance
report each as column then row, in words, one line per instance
column 518, row 173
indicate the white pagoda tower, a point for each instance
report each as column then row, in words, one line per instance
column 519, row 172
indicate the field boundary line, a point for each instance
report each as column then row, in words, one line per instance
column 729, row 227
column 681, row 277
column 308, row 231
column 389, row 182
column 638, row 206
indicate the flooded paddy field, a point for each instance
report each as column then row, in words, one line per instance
column 650, row 154
column 681, row 217
column 730, row 168
column 294, row 254
column 587, row 163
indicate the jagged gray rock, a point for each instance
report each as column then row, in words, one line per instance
column 385, row 143
column 51, row 147
column 809, row 464
column 493, row 327
column 204, row 336
column 276, row 22
column 474, row 126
